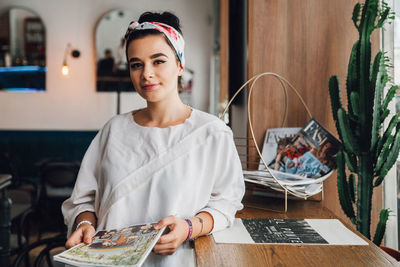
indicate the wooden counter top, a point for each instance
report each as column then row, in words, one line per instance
column 209, row 253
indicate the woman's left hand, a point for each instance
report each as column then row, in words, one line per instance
column 169, row 243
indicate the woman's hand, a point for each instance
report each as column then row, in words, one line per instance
column 169, row 243
column 84, row 233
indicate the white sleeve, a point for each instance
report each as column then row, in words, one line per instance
column 86, row 187
column 228, row 188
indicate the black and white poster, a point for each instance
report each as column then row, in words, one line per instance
column 282, row 231
column 289, row 232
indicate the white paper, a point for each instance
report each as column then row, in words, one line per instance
column 237, row 233
column 332, row 230
column 335, row 233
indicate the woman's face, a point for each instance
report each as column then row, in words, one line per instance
column 326, row 146
column 153, row 68
column 322, row 152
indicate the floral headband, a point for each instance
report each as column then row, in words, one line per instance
column 173, row 35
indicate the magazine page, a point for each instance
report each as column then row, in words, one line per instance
column 309, row 189
column 275, row 137
column 277, row 174
column 288, row 231
column 284, row 178
column 127, row 246
column 311, row 154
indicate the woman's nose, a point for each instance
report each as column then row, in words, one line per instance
column 148, row 73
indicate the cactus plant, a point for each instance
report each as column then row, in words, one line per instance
column 367, row 154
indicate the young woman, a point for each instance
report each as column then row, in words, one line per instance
column 167, row 163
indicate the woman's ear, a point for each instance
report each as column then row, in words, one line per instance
column 181, row 69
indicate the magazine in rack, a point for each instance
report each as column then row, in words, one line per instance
column 274, row 139
column 311, row 153
column 301, row 158
column 127, row 246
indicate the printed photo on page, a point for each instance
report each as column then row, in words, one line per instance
column 128, row 246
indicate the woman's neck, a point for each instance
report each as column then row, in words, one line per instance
column 163, row 114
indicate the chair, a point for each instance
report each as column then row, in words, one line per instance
column 57, row 178
column 24, row 194
column 46, row 253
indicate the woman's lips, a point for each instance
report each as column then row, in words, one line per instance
column 149, row 86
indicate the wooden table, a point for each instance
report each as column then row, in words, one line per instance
column 209, row 253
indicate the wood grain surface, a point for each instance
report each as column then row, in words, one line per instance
column 224, row 50
column 209, row 253
column 306, row 42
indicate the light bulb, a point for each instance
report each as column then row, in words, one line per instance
column 65, row 70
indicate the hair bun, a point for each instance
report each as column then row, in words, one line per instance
column 165, row 17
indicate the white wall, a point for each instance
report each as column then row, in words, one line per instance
column 72, row 102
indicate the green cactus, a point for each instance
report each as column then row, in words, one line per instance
column 381, row 227
column 351, row 161
column 343, row 188
column 368, row 154
column 352, row 187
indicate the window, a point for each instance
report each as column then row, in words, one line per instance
column 391, row 187
column 396, row 64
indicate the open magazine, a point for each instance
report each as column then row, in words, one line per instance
column 127, row 246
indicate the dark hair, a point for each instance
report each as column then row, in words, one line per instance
column 165, row 17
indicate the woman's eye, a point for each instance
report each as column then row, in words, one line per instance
column 135, row 65
column 159, row 61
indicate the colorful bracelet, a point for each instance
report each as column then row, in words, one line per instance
column 190, row 229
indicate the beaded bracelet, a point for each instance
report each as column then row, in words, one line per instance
column 82, row 222
column 190, row 229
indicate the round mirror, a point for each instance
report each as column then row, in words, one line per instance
column 22, row 51
column 112, row 68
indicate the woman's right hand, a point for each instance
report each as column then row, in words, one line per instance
column 84, row 233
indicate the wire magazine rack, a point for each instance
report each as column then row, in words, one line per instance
column 278, row 185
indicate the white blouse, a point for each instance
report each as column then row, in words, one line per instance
column 132, row 174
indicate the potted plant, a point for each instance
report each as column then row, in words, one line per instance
column 368, row 153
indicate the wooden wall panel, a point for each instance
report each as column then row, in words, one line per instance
column 224, row 50
column 305, row 41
